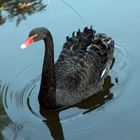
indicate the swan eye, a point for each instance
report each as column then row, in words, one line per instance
column 35, row 35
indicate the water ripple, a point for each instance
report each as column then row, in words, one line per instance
column 23, row 108
column 22, row 102
column 26, row 99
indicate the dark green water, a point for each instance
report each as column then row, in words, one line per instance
column 112, row 114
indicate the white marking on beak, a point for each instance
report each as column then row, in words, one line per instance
column 23, row 46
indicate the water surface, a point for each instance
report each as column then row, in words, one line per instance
column 112, row 114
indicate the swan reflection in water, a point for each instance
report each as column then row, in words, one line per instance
column 53, row 119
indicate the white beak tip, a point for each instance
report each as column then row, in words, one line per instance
column 23, row 46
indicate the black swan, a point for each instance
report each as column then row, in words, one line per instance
column 80, row 69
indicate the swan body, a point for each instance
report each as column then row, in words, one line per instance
column 79, row 72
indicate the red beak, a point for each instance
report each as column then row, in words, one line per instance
column 28, row 42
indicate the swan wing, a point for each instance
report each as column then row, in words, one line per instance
column 83, row 60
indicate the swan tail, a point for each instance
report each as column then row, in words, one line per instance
column 101, row 51
column 102, row 45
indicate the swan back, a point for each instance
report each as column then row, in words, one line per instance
column 81, row 66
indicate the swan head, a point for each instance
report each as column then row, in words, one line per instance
column 35, row 35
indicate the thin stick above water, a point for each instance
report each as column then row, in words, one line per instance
column 75, row 11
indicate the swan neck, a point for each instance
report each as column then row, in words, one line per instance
column 48, row 81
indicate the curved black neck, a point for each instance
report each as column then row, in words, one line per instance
column 48, row 81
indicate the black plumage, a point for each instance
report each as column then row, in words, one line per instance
column 80, row 69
